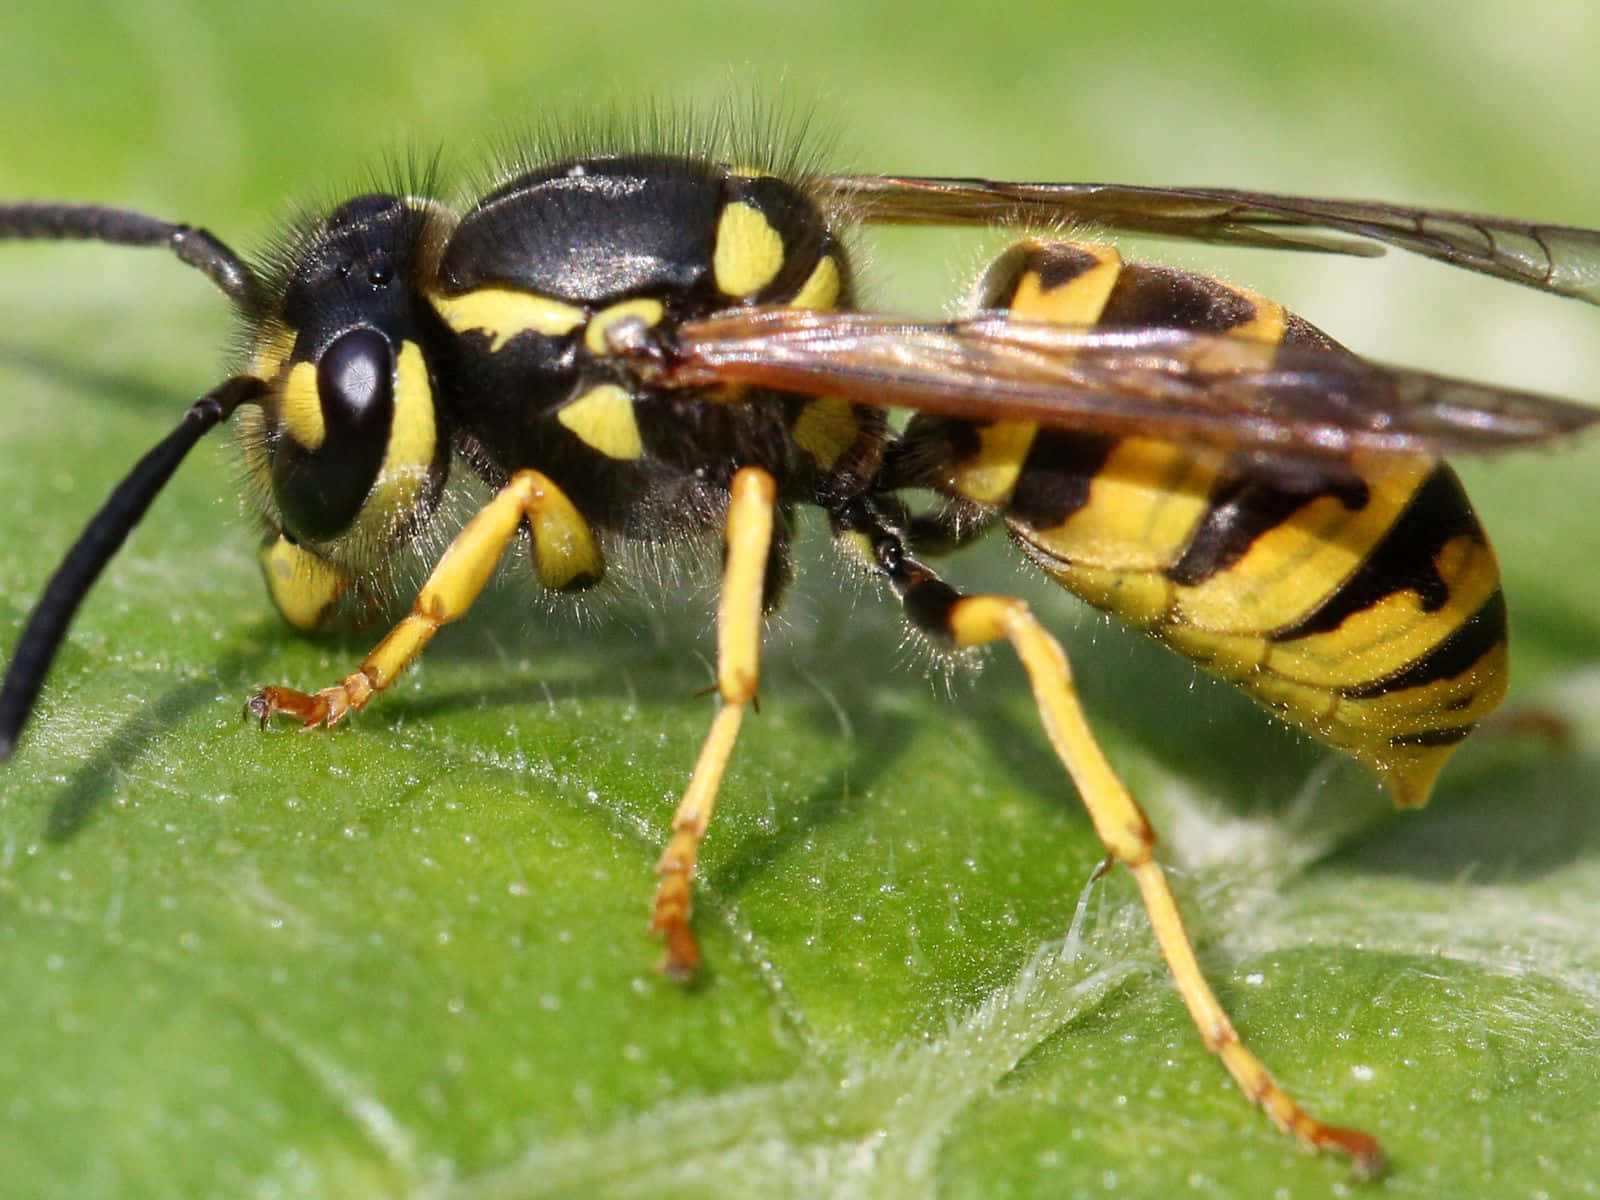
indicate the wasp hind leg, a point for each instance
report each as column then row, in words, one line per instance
column 946, row 615
column 567, row 557
column 745, row 583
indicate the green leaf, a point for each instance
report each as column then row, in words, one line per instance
column 408, row 957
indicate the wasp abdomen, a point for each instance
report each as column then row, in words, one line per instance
column 1361, row 602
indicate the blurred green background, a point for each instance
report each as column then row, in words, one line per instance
column 408, row 959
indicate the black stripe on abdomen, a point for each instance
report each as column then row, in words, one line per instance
column 1402, row 560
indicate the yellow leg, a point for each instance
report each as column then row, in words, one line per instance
column 1122, row 826
column 749, row 538
column 561, row 539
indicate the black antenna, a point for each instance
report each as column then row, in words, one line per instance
column 119, row 226
column 103, row 537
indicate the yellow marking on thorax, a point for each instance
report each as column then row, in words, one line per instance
column 749, row 251
column 602, row 418
column 594, row 337
column 302, row 585
column 825, row 429
column 821, row 288
column 301, row 406
column 503, row 313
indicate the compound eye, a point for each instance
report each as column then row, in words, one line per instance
column 336, row 418
column 355, row 380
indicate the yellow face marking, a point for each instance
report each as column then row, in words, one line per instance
column 271, row 351
column 302, row 585
column 503, row 313
column 594, row 337
column 301, row 406
column 602, row 418
column 825, row 429
column 412, row 438
column 821, row 288
column 1078, row 301
column 749, row 251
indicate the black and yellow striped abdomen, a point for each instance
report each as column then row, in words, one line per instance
column 1363, row 605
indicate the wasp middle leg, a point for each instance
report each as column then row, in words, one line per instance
column 749, row 541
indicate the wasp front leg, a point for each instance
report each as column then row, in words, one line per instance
column 567, row 557
column 749, row 541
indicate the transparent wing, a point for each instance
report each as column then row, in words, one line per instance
column 1561, row 259
column 1227, row 392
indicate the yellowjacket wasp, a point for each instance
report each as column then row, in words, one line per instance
column 646, row 344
